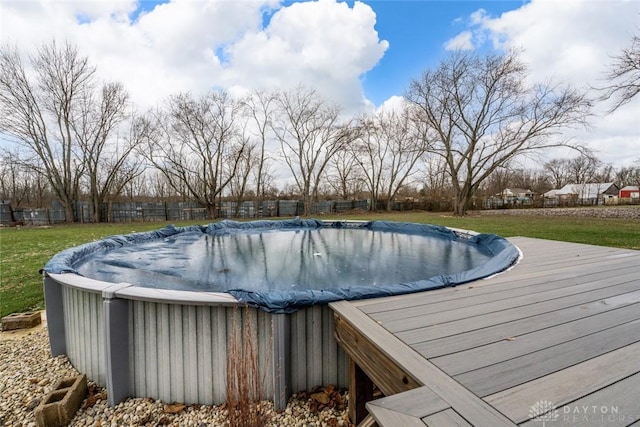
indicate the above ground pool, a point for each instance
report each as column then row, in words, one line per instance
column 282, row 266
column 151, row 314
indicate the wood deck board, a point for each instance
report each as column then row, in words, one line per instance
column 622, row 407
column 521, row 345
column 512, row 372
column 419, row 402
column 562, row 325
column 433, row 331
column 457, row 396
column 477, row 338
column 411, row 318
column 390, row 417
column 446, row 418
column 498, row 285
column 569, row 384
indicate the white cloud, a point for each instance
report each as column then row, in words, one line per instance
column 186, row 45
column 395, row 103
column 322, row 44
column 572, row 41
column 460, row 42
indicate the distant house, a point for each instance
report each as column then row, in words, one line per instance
column 516, row 195
column 552, row 194
column 630, row 192
column 593, row 193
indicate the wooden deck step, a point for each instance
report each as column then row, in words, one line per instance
column 395, row 352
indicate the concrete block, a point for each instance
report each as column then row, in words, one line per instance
column 21, row 321
column 61, row 404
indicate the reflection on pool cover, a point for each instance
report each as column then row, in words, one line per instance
column 282, row 260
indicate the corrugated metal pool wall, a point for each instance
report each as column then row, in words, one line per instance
column 178, row 353
column 85, row 338
column 316, row 357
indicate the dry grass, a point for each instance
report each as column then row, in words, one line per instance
column 245, row 386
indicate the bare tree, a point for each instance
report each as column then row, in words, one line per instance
column 624, row 75
column 558, row 172
column 345, row 175
column 196, row 144
column 436, row 183
column 531, row 179
column 481, row 115
column 19, row 183
column 310, row 133
column 156, row 186
column 62, row 125
column 108, row 161
column 259, row 108
column 500, row 179
column 388, row 151
column 605, row 173
column 584, row 168
column 38, row 115
column 629, row 175
column 248, row 162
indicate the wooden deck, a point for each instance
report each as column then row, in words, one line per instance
column 554, row 341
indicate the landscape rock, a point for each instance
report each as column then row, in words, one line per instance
column 29, row 363
column 623, row 212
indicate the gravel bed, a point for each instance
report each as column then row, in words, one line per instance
column 28, row 372
column 625, row 212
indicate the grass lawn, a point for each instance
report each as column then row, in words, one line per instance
column 24, row 251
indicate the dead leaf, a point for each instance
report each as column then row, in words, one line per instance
column 174, row 408
column 320, row 398
column 164, row 421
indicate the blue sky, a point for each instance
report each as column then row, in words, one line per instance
column 416, row 31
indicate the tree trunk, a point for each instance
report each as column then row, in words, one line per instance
column 69, row 213
column 96, row 216
column 211, row 210
column 307, row 205
column 461, row 202
column 459, row 207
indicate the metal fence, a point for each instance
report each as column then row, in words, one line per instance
column 252, row 209
column 174, row 211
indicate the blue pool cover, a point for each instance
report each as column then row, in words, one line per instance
column 283, row 266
